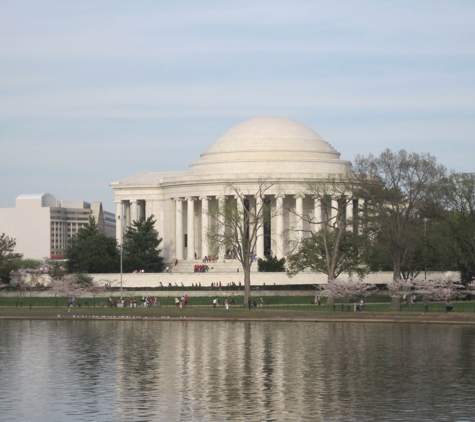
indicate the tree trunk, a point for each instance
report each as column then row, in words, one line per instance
column 330, row 299
column 396, row 270
column 247, row 287
column 396, row 303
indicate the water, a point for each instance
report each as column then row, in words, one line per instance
column 218, row 371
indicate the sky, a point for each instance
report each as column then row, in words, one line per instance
column 92, row 92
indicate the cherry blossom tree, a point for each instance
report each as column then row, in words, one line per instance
column 26, row 285
column 398, row 289
column 347, row 289
column 67, row 286
column 437, row 290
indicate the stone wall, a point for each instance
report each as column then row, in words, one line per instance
column 257, row 279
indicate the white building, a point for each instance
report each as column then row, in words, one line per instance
column 279, row 150
column 42, row 224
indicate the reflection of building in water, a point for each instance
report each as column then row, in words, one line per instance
column 149, row 370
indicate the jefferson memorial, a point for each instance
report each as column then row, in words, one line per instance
column 281, row 151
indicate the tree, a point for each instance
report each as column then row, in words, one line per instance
column 237, row 226
column 330, row 252
column 397, row 187
column 334, row 246
column 67, row 286
column 27, row 285
column 347, row 289
column 7, row 256
column 442, row 289
column 400, row 288
column 140, row 248
column 271, row 264
column 92, row 252
column 459, row 190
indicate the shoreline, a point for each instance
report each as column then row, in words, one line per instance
column 212, row 315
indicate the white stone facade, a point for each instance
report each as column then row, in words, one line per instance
column 42, row 224
column 281, row 151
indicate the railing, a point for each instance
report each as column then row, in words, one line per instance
column 281, row 303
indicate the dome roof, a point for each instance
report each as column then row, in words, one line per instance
column 256, row 144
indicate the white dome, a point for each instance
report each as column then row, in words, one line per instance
column 267, row 145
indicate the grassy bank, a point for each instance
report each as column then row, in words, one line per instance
column 379, row 304
column 234, row 314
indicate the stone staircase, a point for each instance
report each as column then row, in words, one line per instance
column 230, row 266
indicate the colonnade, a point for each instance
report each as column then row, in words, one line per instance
column 186, row 232
column 126, row 212
column 322, row 211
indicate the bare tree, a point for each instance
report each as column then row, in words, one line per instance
column 334, row 245
column 397, row 187
column 237, row 226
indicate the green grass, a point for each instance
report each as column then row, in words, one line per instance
column 284, row 303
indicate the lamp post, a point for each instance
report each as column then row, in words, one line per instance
column 121, row 247
column 425, row 248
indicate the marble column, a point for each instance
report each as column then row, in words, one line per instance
column 259, row 220
column 118, row 221
column 179, row 229
column 221, row 227
column 317, row 211
column 334, row 211
column 190, row 254
column 204, row 225
column 349, row 214
column 142, row 210
column 126, row 214
column 134, row 210
column 279, row 226
column 299, row 216
column 360, row 211
column 240, row 224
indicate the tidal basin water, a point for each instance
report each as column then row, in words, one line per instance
column 219, row 371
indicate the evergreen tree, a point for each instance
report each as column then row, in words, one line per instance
column 140, row 249
column 271, row 264
column 92, row 252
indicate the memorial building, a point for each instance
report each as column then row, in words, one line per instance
column 281, row 151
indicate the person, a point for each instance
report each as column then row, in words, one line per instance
column 177, row 302
column 186, row 301
column 361, row 305
column 448, row 306
column 176, row 262
column 168, row 269
column 214, row 303
column 316, row 299
column 232, row 301
column 226, row 304
column 261, row 302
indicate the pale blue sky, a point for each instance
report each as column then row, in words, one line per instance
column 95, row 91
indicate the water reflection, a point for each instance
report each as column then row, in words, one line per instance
column 130, row 370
